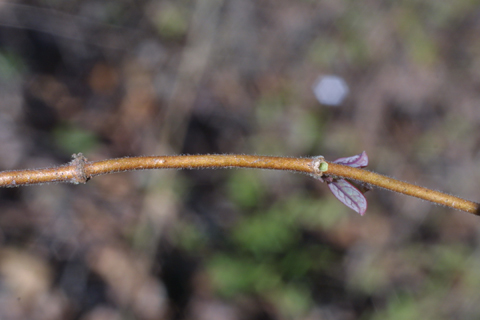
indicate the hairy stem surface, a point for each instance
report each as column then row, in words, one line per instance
column 79, row 170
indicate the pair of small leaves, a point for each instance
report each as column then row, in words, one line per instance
column 344, row 190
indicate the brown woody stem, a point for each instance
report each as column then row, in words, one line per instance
column 403, row 187
column 79, row 171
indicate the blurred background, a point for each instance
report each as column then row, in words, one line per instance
column 398, row 79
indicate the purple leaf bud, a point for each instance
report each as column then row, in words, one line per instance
column 348, row 195
column 357, row 161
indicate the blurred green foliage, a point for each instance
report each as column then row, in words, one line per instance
column 11, row 65
column 73, row 139
column 269, row 253
column 245, row 188
column 171, row 20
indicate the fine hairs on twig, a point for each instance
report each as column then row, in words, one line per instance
column 335, row 173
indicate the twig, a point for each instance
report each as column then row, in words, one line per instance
column 79, row 170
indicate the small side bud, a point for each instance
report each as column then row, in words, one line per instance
column 319, row 165
column 323, row 167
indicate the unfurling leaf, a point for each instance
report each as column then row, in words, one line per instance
column 348, row 195
column 342, row 189
column 357, row 161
